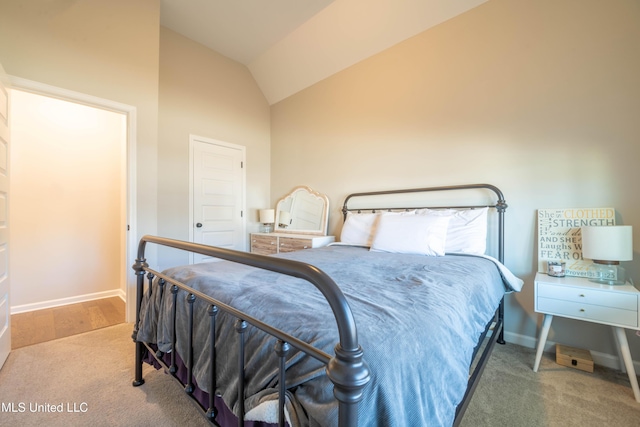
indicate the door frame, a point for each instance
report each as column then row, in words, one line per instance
column 128, row 276
column 192, row 140
column 5, row 276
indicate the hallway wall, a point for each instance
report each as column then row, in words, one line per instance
column 67, row 209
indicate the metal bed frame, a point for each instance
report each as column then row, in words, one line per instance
column 347, row 369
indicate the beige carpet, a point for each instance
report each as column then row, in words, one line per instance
column 92, row 371
column 510, row 394
column 89, row 377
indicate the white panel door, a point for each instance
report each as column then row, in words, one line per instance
column 5, row 313
column 217, row 195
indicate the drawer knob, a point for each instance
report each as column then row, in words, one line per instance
column 581, row 295
column 306, row 247
column 582, row 310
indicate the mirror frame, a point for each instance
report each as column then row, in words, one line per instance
column 325, row 213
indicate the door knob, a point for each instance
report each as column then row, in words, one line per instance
column 199, row 225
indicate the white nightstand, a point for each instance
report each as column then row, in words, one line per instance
column 578, row 298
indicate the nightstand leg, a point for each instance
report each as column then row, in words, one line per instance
column 623, row 368
column 628, row 362
column 546, row 325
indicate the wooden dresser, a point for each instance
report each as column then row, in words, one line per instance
column 274, row 243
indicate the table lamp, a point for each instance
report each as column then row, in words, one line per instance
column 284, row 219
column 267, row 218
column 607, row 246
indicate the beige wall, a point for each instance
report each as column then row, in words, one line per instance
column 208, row 95
column 112, row 50
column 66, row 210
column 539, row 98
column 105, row 49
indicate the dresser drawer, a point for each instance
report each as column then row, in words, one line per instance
column 264, row 245
column 575, row 294
column 273, row 243
column 291, row 244
column 591, row 312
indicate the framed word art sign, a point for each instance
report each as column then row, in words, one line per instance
column 560, row 237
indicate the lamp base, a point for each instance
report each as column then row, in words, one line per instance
column 266, row 228
column 607, row 274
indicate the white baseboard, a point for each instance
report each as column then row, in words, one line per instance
column 66, row 301
column 603, row 359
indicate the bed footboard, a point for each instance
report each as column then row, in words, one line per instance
column 346, row 369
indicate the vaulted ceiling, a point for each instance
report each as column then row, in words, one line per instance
column 289, row 45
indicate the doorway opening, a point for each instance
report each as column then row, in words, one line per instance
column 81, row 213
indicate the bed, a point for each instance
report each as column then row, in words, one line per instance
column 379, row 329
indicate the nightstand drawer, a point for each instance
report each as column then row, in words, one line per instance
column 596, row 313
column 288, row 244
column 588, row 296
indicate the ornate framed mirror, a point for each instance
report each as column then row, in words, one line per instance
column 302, row 211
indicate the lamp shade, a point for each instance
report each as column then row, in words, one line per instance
column 284, row 217
column 608, row 243
column 267, row 216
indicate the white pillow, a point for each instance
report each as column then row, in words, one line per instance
column 411, row 234
column 359, row 228
column 467, row 231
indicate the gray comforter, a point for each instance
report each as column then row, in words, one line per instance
column 418, row 321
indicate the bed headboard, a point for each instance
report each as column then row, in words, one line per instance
column 379, row 201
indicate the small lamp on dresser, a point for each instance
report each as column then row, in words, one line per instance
column 267, row 218
column 284, row 219
column 607, row 246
